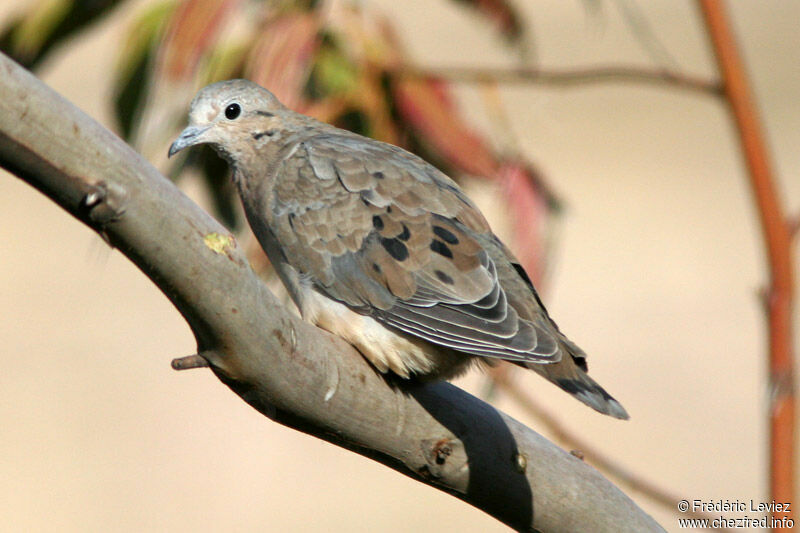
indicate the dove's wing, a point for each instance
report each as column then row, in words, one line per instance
column 387, row 234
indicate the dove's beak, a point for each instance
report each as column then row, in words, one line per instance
column 189, row 137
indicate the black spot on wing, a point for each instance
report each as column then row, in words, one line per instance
column 395, row 248
column 444, row 278
column 405, row 235
column 377, row 175
column 377, row 222
column 445, row 235
column 441, row 248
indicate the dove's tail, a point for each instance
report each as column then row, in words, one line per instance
column 570, row 375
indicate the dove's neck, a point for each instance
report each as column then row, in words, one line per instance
column 256, row 169
column 269, row 145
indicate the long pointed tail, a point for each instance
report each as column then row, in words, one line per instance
column 570, row 375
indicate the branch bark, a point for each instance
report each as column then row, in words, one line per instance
column 777, row 232
column 287, row 369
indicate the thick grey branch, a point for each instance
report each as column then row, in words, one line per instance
column 289, row 370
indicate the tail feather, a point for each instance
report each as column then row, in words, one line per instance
column 570, row 375
column 587, row 390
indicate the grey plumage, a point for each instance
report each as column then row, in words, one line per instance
column 380, row 247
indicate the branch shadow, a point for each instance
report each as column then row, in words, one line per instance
column 497, row 483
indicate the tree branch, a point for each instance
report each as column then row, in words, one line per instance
column 566, row 78
column 289, row 370
column 579, row 447
column 777, row 233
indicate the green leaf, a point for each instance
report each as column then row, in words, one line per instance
column 29, row 38
column 135, row 66
column 334, row 73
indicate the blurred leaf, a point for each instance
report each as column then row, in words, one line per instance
column 283, row 54
column 134, row 66
column 365, row 110
column 353, row 120
column 502, row 14
column 351, row 63
column 373, row 97
column 193, row 29
column 224, row 62
column 47, row 24
column 327, row 109
column 216, row 175
column 334, row 73
column 294, row 5
column 427, row 106
column 33, row 30
column 129, row 93
column 363, row 38
column 529, row 205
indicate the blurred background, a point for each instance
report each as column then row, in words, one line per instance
column 636, row 194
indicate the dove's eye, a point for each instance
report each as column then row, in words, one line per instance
column 232, row 111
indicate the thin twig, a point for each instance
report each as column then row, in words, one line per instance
column 582, row 449
column 566, row 78
column 189, row 362
column 778, row 242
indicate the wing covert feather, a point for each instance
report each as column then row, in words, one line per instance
column 392, row 237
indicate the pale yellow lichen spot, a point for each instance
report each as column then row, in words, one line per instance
column 219, row 243
column 521, row 462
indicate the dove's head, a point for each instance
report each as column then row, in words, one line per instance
column 230, row 115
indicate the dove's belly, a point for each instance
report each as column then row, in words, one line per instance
column 385, row 348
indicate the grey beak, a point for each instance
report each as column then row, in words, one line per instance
column 188, row 137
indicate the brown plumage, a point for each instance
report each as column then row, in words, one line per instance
column 378, row 246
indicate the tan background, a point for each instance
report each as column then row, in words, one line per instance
column 656, row 274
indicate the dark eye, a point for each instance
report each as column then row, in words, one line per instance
column 232, row 111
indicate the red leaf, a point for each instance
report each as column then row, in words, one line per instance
column 192, row 29
column 427, row 106
column 283, row 54
column 529, row 205
column 327, row 109
column 501, row 13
